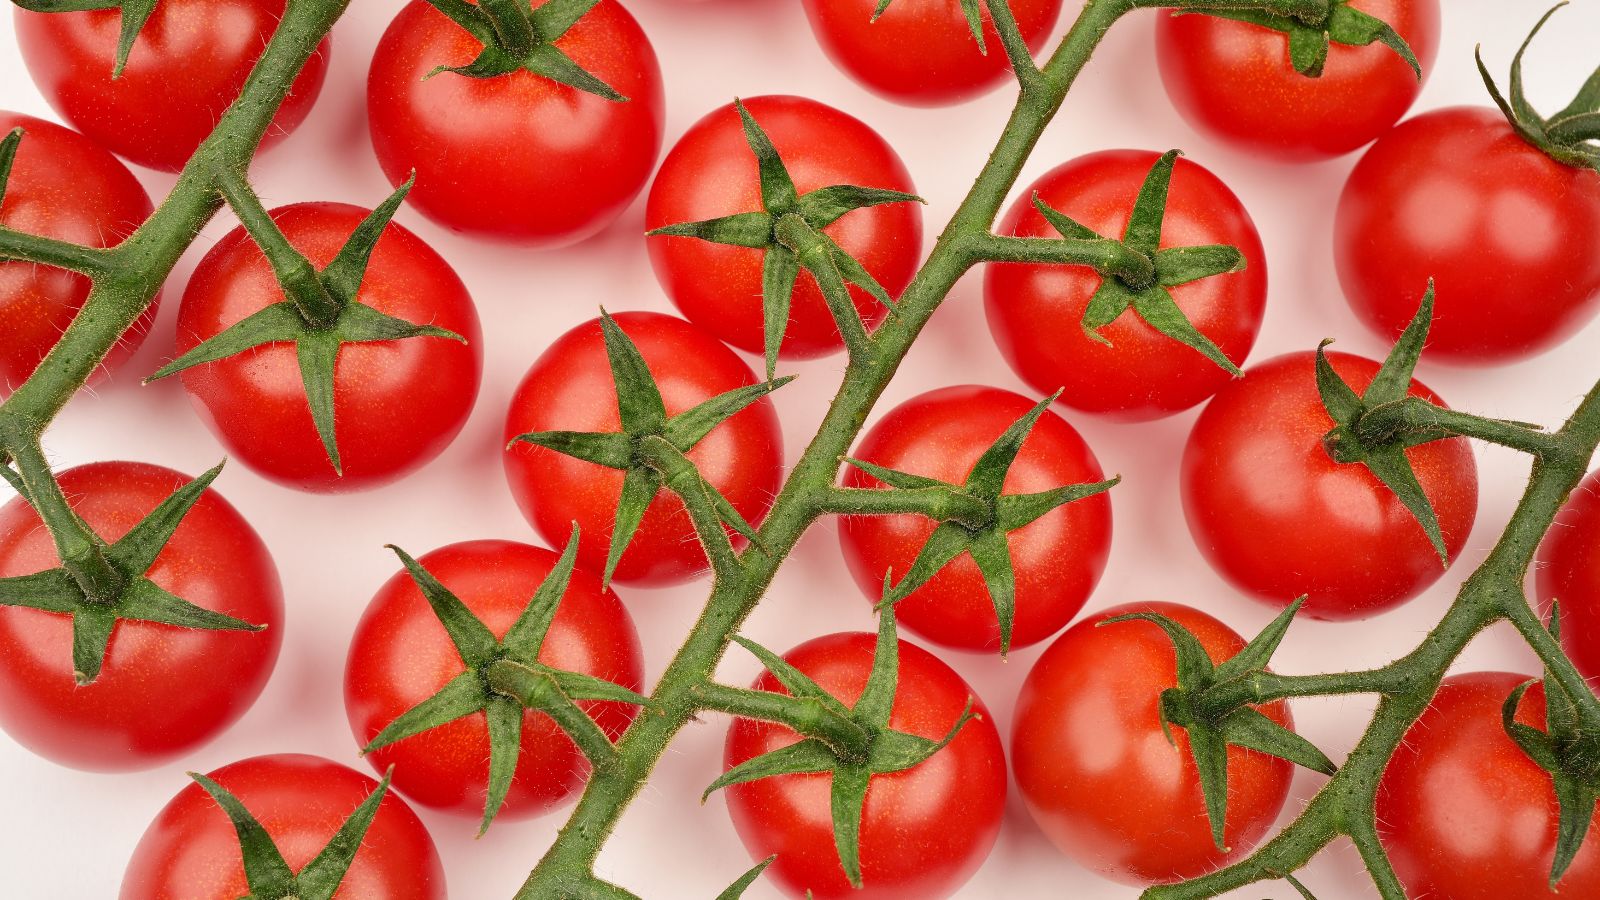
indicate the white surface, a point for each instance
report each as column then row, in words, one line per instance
column 68, row 834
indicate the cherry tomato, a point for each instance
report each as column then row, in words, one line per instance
column 189, row 63
column 1057, row 559
column 1092, row 761
column 711, row 172
column 402, row 656
column 1034, row 311
column 1510, row 236
column 164, row 690
column 1569, row 571
column 397, row 403
column 191, row 850
column 1233, row 82
column 62, row 186
column 517, row 157
column 569, row 388
column 1274, row 514
column 924, row 830
column 1463, row 811
column 922, row 52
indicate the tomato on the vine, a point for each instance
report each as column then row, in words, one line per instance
column 1093, row 762
column 1034, row 310
column 163, row 689
column 189, row 62
column 1568, row 573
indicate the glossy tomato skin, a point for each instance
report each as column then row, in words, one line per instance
column 164, row 690
column 1094, row 765
column 191, row 851
column 569, row 388
column 711, row 173
column 1568, row 571
column 189, row 63
column 1057, row 559
column 924, row 830
column 65, row 187
column 516, row 158
column 1035, row 311
column 1510, row 237
column 398, row 404
column 1464, row 813
column 1233, row 82
column 401, row 656
column 921, row 52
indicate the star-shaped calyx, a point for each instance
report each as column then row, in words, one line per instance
column 1569, row 136
column 1309, row 37
column 516, row 38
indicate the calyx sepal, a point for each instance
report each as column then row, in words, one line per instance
column 1568, row 136
column 516, row 38
column 1309, row 40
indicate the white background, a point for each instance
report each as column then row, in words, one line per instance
column 68, row 834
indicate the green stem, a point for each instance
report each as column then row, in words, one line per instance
column 813, row 253
column 1016, row 46
column 82, row 552
column 806, row 716
column 941, row 504
column 537, row 690
column 18, row 246
column 1105, row 256
column 1391, row 421
column 513, row 25
column 683, row 479
column 296, row 275
column 1263, row 687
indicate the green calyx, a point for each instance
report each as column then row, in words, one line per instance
column 1212, row 731
column 736, row 890
column 651, row 448
column 972, row 10
column 1570, row 135
column 517, row 38
column 504, row 677
column 789, row 232
column 1310, row 37
column 134, row 14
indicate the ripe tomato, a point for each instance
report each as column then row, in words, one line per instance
column 1034, row 310
column 1094, row 765
column 1569, row 571
column 1457, row 766
column 62, row 186
column 191, row 851
column 924, row 830
column 401, row 656
column 922, row 52
column 397, row 403
column 711, row 172
column 1510, row 236
column 1233, row 82
column 569, row 388
column 517, row 157
column 1275, row 515
column 189, row 63
column 1057, row 558
column 164, row 690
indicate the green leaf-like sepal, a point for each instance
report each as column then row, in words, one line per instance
column 536, row 30
column 736, row 890
column 1568, row 136
column 1308, row 41
column 8, row 158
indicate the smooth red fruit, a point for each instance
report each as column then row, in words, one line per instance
column 922, row 52
column 191, row 850
column 924, row 830
column 516, row 157
column 711, row 173
column 1273, row 513
column 1057, row 559
column 164, row 690
column 1091, row 758
column 1035, row 311
column 401, row 656
column 398, row 404
column 1465, row 813
column 189, row 63
column 1233, row 82
column 1568, row 572
column 569, row 388
column 62, row 186
column 1510, row 237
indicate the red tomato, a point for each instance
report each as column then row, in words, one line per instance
column 569, row 388
column 1035, row 311
column 401, row 656
column 191, row 851
column 924, row 830
column 62, row 186
column 1458, row 766
column 188, row 64
column 922, row 52
column 1057, row 559
column 517, row 157
column 164, row 690
column 255, row 402
column 1569, row 571
column 1275, row 515
column 1094, row 765
column 1233, row 82
column 1510, row 236
column 711, row 173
